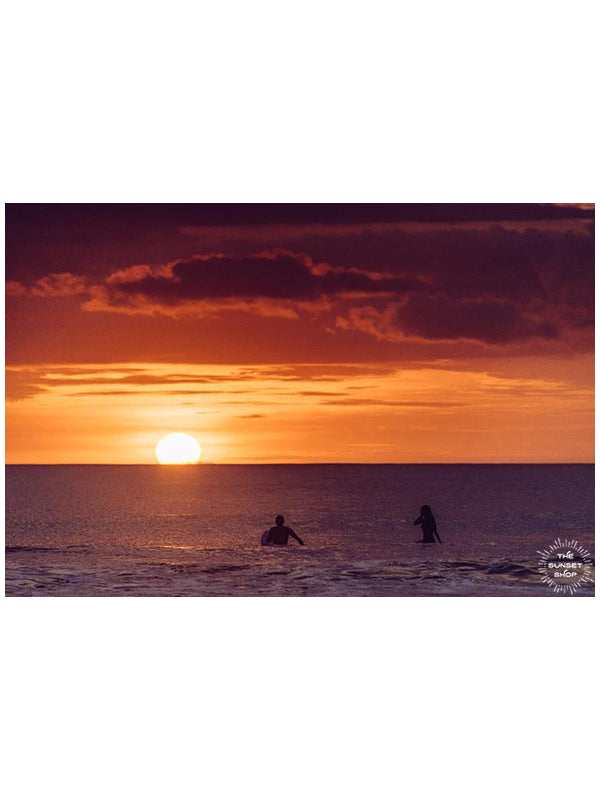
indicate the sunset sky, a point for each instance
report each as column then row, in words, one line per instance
column 300, row 333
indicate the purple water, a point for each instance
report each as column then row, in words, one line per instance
column 151, row 530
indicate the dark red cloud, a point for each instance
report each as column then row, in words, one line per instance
column 493, row 286
column 333, row 282
column 271, row 277
column 180, row 214
column 490, row 320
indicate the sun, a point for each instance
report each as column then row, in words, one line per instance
column 178, row 448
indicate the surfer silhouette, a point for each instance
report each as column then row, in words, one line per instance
column 428, row 526
column 279, row 534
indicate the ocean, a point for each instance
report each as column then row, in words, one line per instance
column 195, row 530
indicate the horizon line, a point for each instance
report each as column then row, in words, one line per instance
column 306, row 464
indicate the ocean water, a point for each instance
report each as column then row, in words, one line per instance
column 195, row 531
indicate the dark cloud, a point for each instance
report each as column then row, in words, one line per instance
column 107, row 215
column 494, row 286
column 505, row 262
column 491, row 321
column 276, row 277
column 485, row 323
column 350, row 273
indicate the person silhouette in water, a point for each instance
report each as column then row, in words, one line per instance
column 280, row 533
column 428, row 526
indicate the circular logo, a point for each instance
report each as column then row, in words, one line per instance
column 565, row 566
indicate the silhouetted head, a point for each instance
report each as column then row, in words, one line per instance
column 426, row 511
column 279, row 520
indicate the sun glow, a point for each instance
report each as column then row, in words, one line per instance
column 178, row 448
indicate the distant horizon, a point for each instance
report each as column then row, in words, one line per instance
column 312, row 464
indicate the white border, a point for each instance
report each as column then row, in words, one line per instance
column 302, row 102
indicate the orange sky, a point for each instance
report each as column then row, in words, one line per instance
column 392, row 341
column 305, row 413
